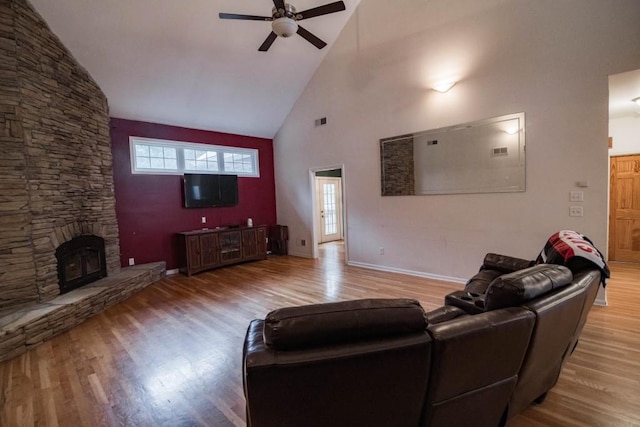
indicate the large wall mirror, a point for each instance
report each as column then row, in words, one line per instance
column 486, row 156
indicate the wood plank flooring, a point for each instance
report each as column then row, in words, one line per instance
column 171, row 354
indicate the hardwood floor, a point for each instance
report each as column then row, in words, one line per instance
column 171, row 354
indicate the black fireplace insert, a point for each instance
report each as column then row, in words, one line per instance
column 81, row 260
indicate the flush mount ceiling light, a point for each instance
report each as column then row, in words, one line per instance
column 443, row 87
column 636, row 100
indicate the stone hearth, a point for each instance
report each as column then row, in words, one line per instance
column 27, row 326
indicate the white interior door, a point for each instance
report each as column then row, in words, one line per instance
column 329, row 196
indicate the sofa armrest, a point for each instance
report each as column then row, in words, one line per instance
column 469, row 302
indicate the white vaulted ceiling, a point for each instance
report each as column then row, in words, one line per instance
column 175, row 62
column 623, row 88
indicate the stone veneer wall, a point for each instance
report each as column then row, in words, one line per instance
column 56, row 176
column 397, row 165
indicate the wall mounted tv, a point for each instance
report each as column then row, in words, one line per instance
column 210, row 191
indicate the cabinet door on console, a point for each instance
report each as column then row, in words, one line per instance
column 210, row 250
column 230, row 246
column 254, row 243
column 193, row 252
column 249, row 243
column 261, row 234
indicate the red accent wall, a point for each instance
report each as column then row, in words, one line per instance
column 150, row 208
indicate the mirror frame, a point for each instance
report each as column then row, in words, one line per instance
column 397, row 175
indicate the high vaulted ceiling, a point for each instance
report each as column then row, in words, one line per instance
column 175, row 62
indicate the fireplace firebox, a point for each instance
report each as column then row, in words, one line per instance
column 81, row 261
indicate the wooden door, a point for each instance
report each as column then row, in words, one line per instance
column 624, row 209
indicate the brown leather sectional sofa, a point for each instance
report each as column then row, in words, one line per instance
column 485, row 355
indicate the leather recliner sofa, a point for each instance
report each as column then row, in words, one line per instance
column 485, row 355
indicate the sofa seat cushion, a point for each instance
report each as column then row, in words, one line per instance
column 521, row 286
column 348, row 321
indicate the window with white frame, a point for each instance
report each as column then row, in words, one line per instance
column 163, row 157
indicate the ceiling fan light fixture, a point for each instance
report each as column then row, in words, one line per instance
column 284, row 27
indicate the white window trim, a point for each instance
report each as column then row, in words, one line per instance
column 181, row 145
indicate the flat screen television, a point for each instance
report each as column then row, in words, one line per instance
column 210, row 191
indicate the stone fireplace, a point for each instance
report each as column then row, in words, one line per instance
column 57, row 194
column 56, row 167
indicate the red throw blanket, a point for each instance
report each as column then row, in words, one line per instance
column 565, row 245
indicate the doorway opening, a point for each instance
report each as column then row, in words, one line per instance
column 329, row 214
column 624, row 168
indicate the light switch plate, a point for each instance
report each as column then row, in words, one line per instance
column 576, row 196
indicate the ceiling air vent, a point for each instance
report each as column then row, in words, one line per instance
column 432, row 142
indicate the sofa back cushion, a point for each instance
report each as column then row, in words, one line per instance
column 516, row 288
column 348, row 321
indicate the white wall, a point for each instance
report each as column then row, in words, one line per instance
column 548, row 58
column 625, row 132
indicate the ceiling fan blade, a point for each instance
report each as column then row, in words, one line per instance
column 279, row 4
column 244, row 17
column 322, row 10
column 268, row 42
column 311, row 38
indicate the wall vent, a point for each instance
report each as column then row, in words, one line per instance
column 432, row 142
column 500, row 151
column 321, row 122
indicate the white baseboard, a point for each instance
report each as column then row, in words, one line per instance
column 299, row 254
column 173, row 272
column 407, row 272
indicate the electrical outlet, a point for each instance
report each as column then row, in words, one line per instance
column 576, row 196
column 381, row 250
column 576, row 211
column 204, row 219
column 132, row 261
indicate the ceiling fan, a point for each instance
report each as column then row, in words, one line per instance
column 284, row 21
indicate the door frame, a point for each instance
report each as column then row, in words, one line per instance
column 609, row 195
column 314, row 208
column 339, row 234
